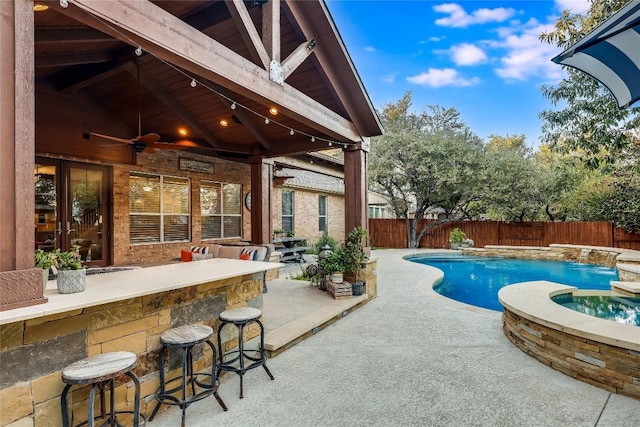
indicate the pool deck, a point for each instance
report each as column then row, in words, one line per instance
column 409, row 357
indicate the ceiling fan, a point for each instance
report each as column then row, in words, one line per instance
column 149, row 142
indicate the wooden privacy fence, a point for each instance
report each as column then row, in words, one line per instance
column 392, row 233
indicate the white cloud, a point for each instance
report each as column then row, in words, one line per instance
column 370, row 49
column 575, row 6
column 442, row 77
column 389, row 78
column 432, row 39
column 526, row 56
column 459, row 18
column 468, row 54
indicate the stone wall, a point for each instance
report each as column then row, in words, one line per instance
column 34, row 352
column 600, row 256
column 612, row 368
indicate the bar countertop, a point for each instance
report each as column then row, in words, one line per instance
column 120, row 285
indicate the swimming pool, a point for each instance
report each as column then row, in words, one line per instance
column 477, row 280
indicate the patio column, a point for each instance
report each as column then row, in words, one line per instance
column 261, row 194
column 355, row 187
column 17, row 135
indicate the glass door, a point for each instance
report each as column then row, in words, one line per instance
column 71, row 208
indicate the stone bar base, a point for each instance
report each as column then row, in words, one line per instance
column 33, row 352
column 609, row 367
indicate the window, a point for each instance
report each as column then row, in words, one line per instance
column 287, row 210
column 159, row 209
column 221, row 210
column 322, row 213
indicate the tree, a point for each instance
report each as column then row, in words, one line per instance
column 590, row 120
column 425, row 161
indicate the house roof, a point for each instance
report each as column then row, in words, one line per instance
column 88, row 52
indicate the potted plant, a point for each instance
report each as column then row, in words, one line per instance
column 71, row 272
column 456, row 237
column 335, row 263
column 44, row 260
column 355, row 249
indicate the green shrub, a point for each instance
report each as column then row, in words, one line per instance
column 325, row 239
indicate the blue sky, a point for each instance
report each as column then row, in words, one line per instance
column 483, row 58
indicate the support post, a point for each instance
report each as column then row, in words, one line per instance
column 17, row 135
column 261, row 195
column 355, row 187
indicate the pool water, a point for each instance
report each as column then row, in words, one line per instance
column 477, row 280
column 617, row 308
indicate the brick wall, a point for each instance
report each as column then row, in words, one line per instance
column 34, row 352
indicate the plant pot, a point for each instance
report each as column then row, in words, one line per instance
column 455, row 245
column 71, row 281
column 357, row 288
column 45, row 278
column 337, row 277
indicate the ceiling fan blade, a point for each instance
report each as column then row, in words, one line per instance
column 168, row 146
column 148, row 138
column 111, row 138
column 149, row 149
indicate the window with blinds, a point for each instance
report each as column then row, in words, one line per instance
column 159, row 209
column 221, row 210
column 287, row 210
column 322, row 213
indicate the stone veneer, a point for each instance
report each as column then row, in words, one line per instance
column 612, row 368
column 34, row 352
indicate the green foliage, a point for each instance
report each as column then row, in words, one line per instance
column 624, row 198
column 44, row 259
column 590, row 121
column 457, row 236
column 67, row 260
column 354, row 246
column 325, row 239
column 336, row 261
column 425, row 161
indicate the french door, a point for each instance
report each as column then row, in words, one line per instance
column 71, row 208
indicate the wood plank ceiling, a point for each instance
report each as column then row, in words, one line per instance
column 74, row 58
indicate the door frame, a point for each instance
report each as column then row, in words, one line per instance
column 63, row 204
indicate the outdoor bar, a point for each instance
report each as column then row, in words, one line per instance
column 120, row 311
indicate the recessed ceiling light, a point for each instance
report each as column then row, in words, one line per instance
column 224, row 123
column 273, row 111
column 182, row 132
column 39, row 7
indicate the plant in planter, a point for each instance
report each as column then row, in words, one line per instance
column 355, row 247
column 456, row 237
column 44, row 260
column 71, row 272
column 336, row 263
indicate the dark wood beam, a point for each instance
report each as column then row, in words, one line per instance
column 69, row 59
column 141, row 22
column 62, row 35
column 297, row 57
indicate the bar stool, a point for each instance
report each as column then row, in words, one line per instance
column 186, row 338
column 100, row 371
column 241, row 317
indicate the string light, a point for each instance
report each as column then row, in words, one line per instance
column 234, row 104
column 64, row 4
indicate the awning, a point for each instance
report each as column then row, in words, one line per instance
column 611, row 54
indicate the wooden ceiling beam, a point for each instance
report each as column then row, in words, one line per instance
column 91, row 74
column 271, row 29
column 248, row 31
column 140, row 22
column 167, row 99
column 68, row 59
column 63, row 35
column 297, row 57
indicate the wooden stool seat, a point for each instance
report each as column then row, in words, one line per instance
column 100, row 367
column 244, row 314
column 186, row 335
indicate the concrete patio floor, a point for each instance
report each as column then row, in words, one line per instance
column 406, row 358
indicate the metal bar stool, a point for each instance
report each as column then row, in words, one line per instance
column 186, row 338
column 100, row 371
column 234, row 360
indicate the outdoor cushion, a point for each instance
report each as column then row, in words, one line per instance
column 252, row 253
column 232, row 252
column 244, row 256
column 200, row 257
column 200, row 249
column 186, row 256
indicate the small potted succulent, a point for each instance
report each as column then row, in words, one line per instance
column 71, row 272
column 44, row 260
column 335, row 263
column 456, row 237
